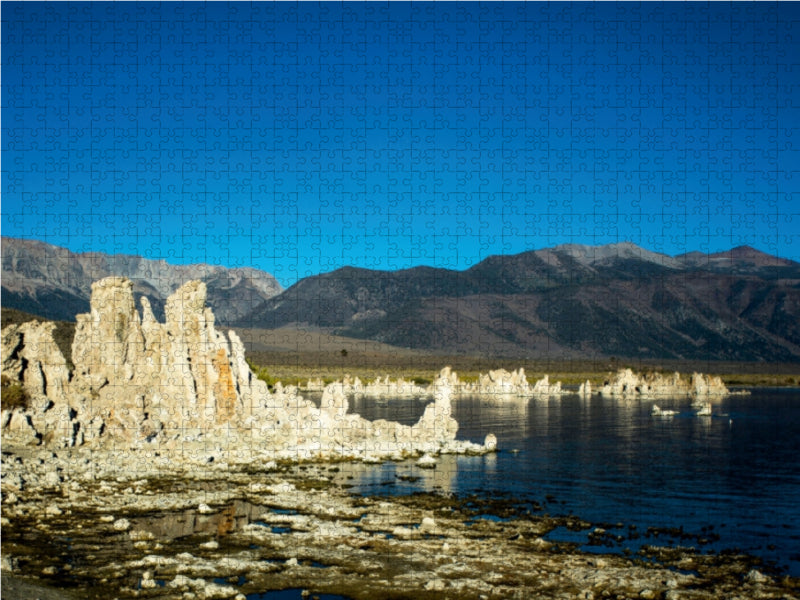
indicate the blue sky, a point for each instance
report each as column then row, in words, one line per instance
column 298, row 138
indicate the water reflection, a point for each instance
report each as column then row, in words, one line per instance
column 399, row 477
column 179, row 524
column 609, row 460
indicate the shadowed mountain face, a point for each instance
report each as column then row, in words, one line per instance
column 568, row 301
column 55, row 283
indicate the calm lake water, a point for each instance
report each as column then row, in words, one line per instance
column 731, row 480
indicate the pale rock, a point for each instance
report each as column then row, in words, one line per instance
column 436, row 585
column 18, row 424
column 52, row 479
column 757, row 577
column 426, row 461
column 183, row 382
column 543, row 388
column 387, row 389
column 121, row 525
column 627, row 384
column 334, row 401
column 657, row 411
column 315, row 385
column 31, row 356
column 142, row 378
column 108, row 341
column 32, row 359
column 436, row 423
column 405, row 533
column 705, row 410
column 9, row 563
column 53, row 510
column 180, row 582
column 140, row 535
column 147, row 581
column 541, row 544
column 502, row 384
column 428, row 525
column 448, row 377
column 706, row 386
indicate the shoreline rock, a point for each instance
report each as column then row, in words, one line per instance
column 627, row 384
column 134, row 528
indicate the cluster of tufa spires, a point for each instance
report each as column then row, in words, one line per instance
column 137, row 381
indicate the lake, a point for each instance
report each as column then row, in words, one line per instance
column 728, row 481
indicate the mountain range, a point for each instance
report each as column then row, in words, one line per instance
column 570, row 301
column 53, row 282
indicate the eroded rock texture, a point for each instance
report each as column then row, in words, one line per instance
column 140, row 381
column 627, row 384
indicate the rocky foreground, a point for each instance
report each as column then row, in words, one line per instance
column 123, row 524
column 159, row 466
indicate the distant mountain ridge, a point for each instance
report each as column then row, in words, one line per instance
column 567, row 301
column 56, row 283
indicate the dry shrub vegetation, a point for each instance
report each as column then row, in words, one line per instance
column 12, row 395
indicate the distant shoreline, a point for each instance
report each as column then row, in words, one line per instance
column 295, row 355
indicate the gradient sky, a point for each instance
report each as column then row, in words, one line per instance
column 298, row 138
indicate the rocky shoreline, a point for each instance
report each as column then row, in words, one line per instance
column 159, row 466
column 136, row 524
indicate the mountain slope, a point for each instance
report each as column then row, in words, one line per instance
column 56, row 283
column 569, row 301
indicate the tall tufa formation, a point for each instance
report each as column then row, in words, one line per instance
column 142, row 377
column 32, row 360
column 134, row 378
column 140, row 381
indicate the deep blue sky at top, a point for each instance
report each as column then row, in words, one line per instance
column 298, row 138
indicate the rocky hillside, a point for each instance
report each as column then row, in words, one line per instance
column 568, row 301
column 56, row 283
column 571, row 301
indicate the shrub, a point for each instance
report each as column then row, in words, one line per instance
column 263, row 374
column 12, row 395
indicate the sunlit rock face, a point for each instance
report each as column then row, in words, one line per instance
column 32, row 360
column 627, row 384
column 143, row 377
column 501, row 383
column 385, row 388
column 30, row 355
column 140, row 381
